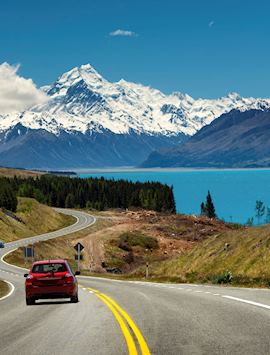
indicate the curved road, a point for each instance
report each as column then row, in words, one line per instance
column 172, row 318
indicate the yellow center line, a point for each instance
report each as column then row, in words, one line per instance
column 129, row 340
column 144, row 347
column 115, row 308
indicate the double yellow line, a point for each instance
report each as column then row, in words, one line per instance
column 124, row 320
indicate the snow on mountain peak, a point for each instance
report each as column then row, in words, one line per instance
column 234, row 95
column 85, row 72
column 82, row 100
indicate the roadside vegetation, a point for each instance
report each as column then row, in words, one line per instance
column 4, row 288
column 240, row 257
column 31, row 218
column 177, row 248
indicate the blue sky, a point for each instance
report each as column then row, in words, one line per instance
column 204, row 48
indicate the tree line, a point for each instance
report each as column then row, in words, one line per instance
column 96, row 193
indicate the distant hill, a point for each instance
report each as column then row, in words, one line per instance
column 234, row 140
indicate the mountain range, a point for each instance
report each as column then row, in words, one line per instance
column 234, row 140
column 88, row 121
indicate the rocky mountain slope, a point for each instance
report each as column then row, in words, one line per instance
column 236, row 139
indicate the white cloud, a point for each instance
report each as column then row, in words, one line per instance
column 16, row 92
column 123, row 33
column 211, row 23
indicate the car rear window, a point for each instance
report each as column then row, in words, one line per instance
column 51, row 267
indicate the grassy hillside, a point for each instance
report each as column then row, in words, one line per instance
column 178, row 248
column 30, row 219
column 245, row 253
column 4, row 288
column 9, row 172
column 129, row 239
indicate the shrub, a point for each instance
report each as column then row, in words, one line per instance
column 131, row 239
column 224, row 278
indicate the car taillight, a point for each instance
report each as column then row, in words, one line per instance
column 69, row 279
column 29, row 280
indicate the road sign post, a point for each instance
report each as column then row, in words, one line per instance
column 29, row 252
column 79, row 256
column 32, row 253
column 79, row 248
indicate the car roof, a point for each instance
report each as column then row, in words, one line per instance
column 58, row 261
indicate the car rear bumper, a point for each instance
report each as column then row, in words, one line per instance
column 62, row 291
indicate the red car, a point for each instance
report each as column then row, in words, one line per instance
column 51, row 279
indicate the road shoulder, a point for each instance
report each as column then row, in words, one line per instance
column 6, row 289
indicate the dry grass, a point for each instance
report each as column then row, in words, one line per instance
column 30, row 219
column 4, row 288
column 10, row 172
column 244, row 252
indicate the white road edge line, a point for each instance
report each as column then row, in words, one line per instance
column 246, row 301
column 3, row 261
column 23, row 240
column 12, row 288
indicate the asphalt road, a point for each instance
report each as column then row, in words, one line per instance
column 167, row 318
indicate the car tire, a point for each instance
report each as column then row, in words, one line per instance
column 30, row 301
column 74, row 299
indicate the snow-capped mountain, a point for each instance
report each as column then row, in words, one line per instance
column 82, row 100
column 89, row 121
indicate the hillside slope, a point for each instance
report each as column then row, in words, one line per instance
column 236, row 139
column 30, row 219
column 244, row 252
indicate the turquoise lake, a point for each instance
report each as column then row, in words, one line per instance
column 234, row 191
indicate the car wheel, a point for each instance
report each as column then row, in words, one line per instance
column 30, row 301
column 74, row 299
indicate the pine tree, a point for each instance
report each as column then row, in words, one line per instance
column 70, row 201
column 208, row 208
